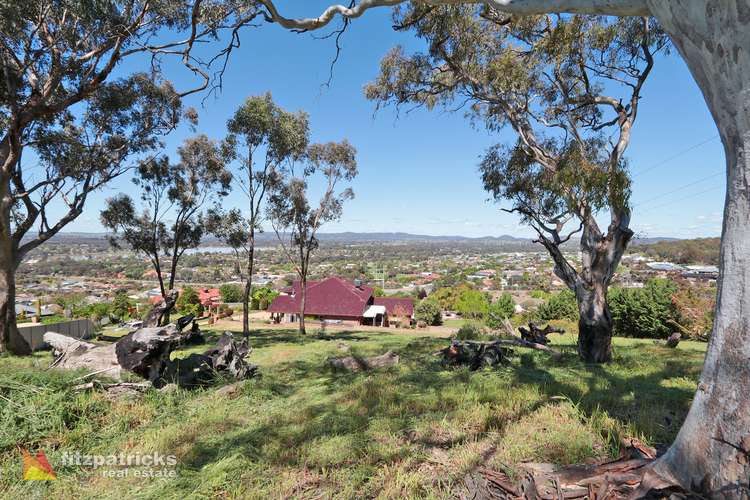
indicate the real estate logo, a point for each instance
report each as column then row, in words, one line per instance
column 37, row 468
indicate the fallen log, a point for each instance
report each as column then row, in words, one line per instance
column 520, row 342
column 147, row 351
column 120, row 390
column 227, row 358
column 356, row 363
column 74, row 354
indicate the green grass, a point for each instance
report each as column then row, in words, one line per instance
column 411, row 431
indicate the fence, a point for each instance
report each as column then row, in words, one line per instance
column 77, row 328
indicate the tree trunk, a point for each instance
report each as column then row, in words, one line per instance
column 248, row 289
column 594, row 324
column 10, row 339
column 303, row 298
column 712, row 451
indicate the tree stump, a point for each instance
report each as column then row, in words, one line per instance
column 674, row 339
column 538, row 335
column 161, row 310
column 475, row 354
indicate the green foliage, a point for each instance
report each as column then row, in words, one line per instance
column 561, row 305
column 540, row 294
column 472, row 304
column 263, row 296
column 695, row 251
column 200, row 177
column 470, row 330
column 120, row 305
column 230, row 292
column 644, row 312
column 429, row 311
column 500, row 310
column 189, row 302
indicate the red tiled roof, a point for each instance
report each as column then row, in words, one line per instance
column 330, row 297
column 208, row 296
column 396, row 306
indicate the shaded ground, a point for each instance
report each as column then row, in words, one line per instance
column 302, row 431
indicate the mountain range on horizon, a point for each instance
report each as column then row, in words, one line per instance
column 363, row 237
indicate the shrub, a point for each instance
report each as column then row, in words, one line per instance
column 230, row 293
column 471, row 330
column 472, row 304
column 500, row 310
column 561, row 305
column 120, row 305
column 189, row 303
column 644, row 312
column 428, row 311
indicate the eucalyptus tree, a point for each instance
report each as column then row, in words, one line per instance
column 711, row 450
column 67, row 158
column 262, row 139
column 294, row 218
column 569, row 87
column 173, row 196
column 65, row 94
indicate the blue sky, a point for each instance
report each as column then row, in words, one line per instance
column 418, row 170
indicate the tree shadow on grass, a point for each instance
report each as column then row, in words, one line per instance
column 270, row 337
column 339, row 418
column 653, row 400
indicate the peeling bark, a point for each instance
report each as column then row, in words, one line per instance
column 712, row 451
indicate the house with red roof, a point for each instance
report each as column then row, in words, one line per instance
column 209, row 296
column 338, row 299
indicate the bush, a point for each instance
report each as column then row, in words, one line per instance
column 472, row 304
column 189, row 303
column 500, row 310
column 470, row 330
column 428, row 311
column 644, row 312
column 561, row 305
column 120, row 305
column 230, row 293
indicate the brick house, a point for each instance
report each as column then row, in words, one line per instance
column 336, row 299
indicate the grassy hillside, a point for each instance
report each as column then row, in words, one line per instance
column 303, row 431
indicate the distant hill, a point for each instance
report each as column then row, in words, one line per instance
column 694, row 251
column 354, row 238
column 341, row 238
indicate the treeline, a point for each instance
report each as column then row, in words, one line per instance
column 657, row 310
column 695, row 251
